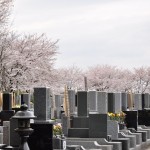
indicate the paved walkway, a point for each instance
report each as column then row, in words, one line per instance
column 147, row 148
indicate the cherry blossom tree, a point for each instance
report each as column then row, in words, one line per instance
column 25, row 60
column 72, row 76
column 31, row 62
column 7, row 55
column 5, row 7
column 123, row 81
column 141, row 79
column 101, row 77
column 109, row 78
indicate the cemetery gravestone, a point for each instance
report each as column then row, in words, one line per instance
column 144, row 117
column 71, row 98
column 138, row 102
column 58, row 104
column 92, row 99
column 6, row 132
column 41, row 138
column 7, row 101
column 82, row 104
column 7, row 111
column 130, row 97
column 42, row 104
column 113, row 129
column 111, row 102
column 102, row 102
column 25, row 99
column 145, row 101
column 53, row 107
column 79, row 126
column 118, row 102
column 98, row 126
column 131, row 119
column 114, row 102
column 124, row 101
column 14, row 137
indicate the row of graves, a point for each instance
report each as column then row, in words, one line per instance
column 107, row 121
column 75, row 121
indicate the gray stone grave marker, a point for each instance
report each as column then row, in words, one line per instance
column 102, row 102
column 42, row 103
column 113, row 129
column 25, row 98
column 114, row 102
column 14, row 137
column 71, row 98
column 92, row 99
column 138, row 102
column 118, row 102
column 58, row 104
column 6, row 132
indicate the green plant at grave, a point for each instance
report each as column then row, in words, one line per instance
column 120, row 117
column 112, row 116
column 57, row 129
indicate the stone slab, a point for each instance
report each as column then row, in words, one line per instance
column 98, row 125
column 78, row 132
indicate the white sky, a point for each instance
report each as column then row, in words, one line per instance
column 90, row 32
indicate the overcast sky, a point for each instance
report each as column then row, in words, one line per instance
column 90, row 32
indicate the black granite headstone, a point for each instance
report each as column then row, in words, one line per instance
column 143, row 101
column 82, row 108
column 5, row 115
column 42, row 137
column 144, row 117
column 78, row 132
column 7, row 111
column 25, row 99
column 7, row 101
column 76, row 100
column 111, row 102
column 124, row 101
column 131, row 119
column 80, row 122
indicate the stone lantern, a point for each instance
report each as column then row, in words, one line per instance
column 24, row 129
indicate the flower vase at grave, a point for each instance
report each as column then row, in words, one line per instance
column 59, row 142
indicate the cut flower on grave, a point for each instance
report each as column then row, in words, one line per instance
column 120, row 117
column 57, row 129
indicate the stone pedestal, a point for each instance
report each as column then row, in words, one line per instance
column 6, row 115
column 41, row 138
column 98, row 126
column 59, row 143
